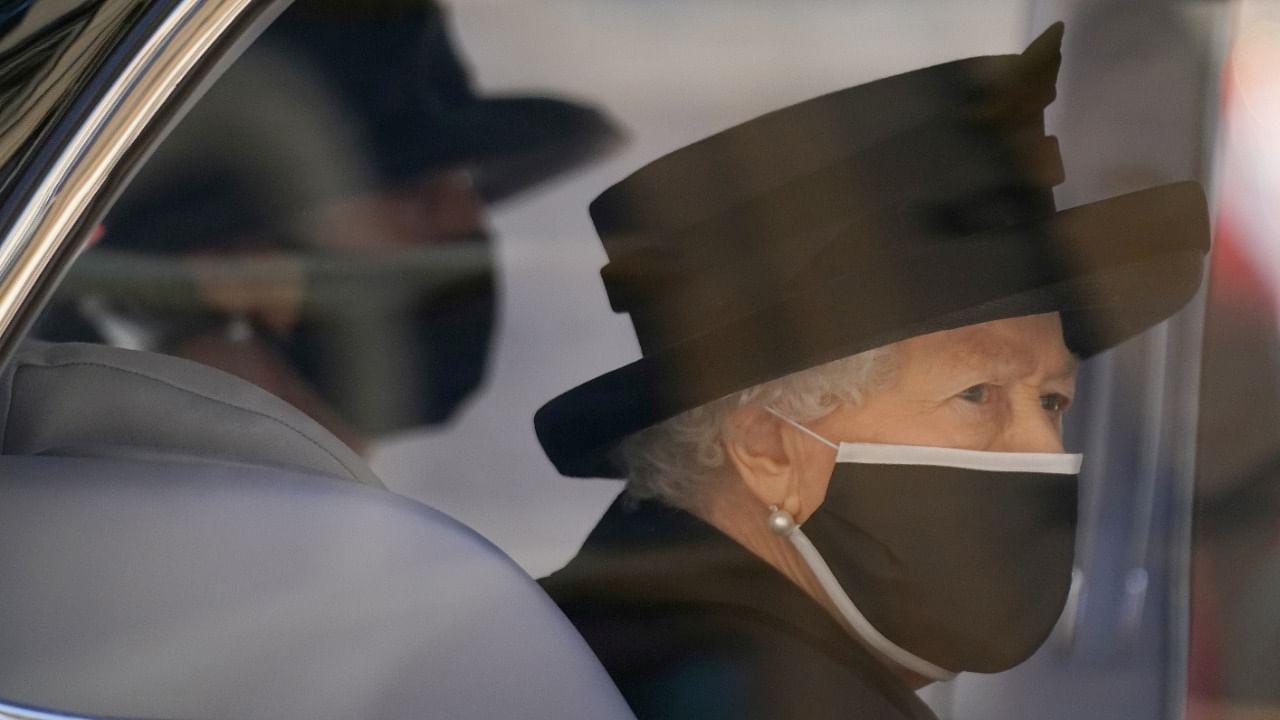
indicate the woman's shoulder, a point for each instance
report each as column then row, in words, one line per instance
column 674, row 662
column 690, row 624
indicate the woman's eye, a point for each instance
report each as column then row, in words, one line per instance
column 975, row 394
column 1055, row 403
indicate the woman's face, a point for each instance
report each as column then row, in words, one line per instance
column 1001, row 386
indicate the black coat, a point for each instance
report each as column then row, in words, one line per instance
column 691, row 625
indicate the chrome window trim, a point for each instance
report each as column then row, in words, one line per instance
column 45, row 224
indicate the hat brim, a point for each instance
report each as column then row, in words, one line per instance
column 513, row 143
column 1126, row 263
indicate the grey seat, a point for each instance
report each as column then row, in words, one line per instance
column 144, row 579
column 67, row 398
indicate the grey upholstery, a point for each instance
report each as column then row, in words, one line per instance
column 176, row 543
column 208, row 590
column 74, row 398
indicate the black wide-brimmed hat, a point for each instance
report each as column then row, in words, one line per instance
column 388, row 73
column 396, row 62
column 909, row 205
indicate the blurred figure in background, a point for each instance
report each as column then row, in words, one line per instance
column 1235, row 635
column 316, row 225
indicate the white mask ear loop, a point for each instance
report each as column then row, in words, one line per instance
column 840, row 598
column 802, row 428
column 859, row 622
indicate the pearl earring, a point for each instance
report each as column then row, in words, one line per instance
column 781, row 523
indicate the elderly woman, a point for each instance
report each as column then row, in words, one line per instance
column 860, row 319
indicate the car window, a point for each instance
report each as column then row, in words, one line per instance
column 383, row 214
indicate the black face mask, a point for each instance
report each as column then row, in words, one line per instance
column 946, row 560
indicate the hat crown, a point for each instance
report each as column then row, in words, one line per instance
column 734, row 220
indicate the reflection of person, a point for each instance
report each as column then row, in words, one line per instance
column 860, row 318
column 334, row 232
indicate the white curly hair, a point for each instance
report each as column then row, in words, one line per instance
column 680, row 460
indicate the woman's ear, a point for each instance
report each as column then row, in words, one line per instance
column 766, row 457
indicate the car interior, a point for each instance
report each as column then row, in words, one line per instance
column 268, row 366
